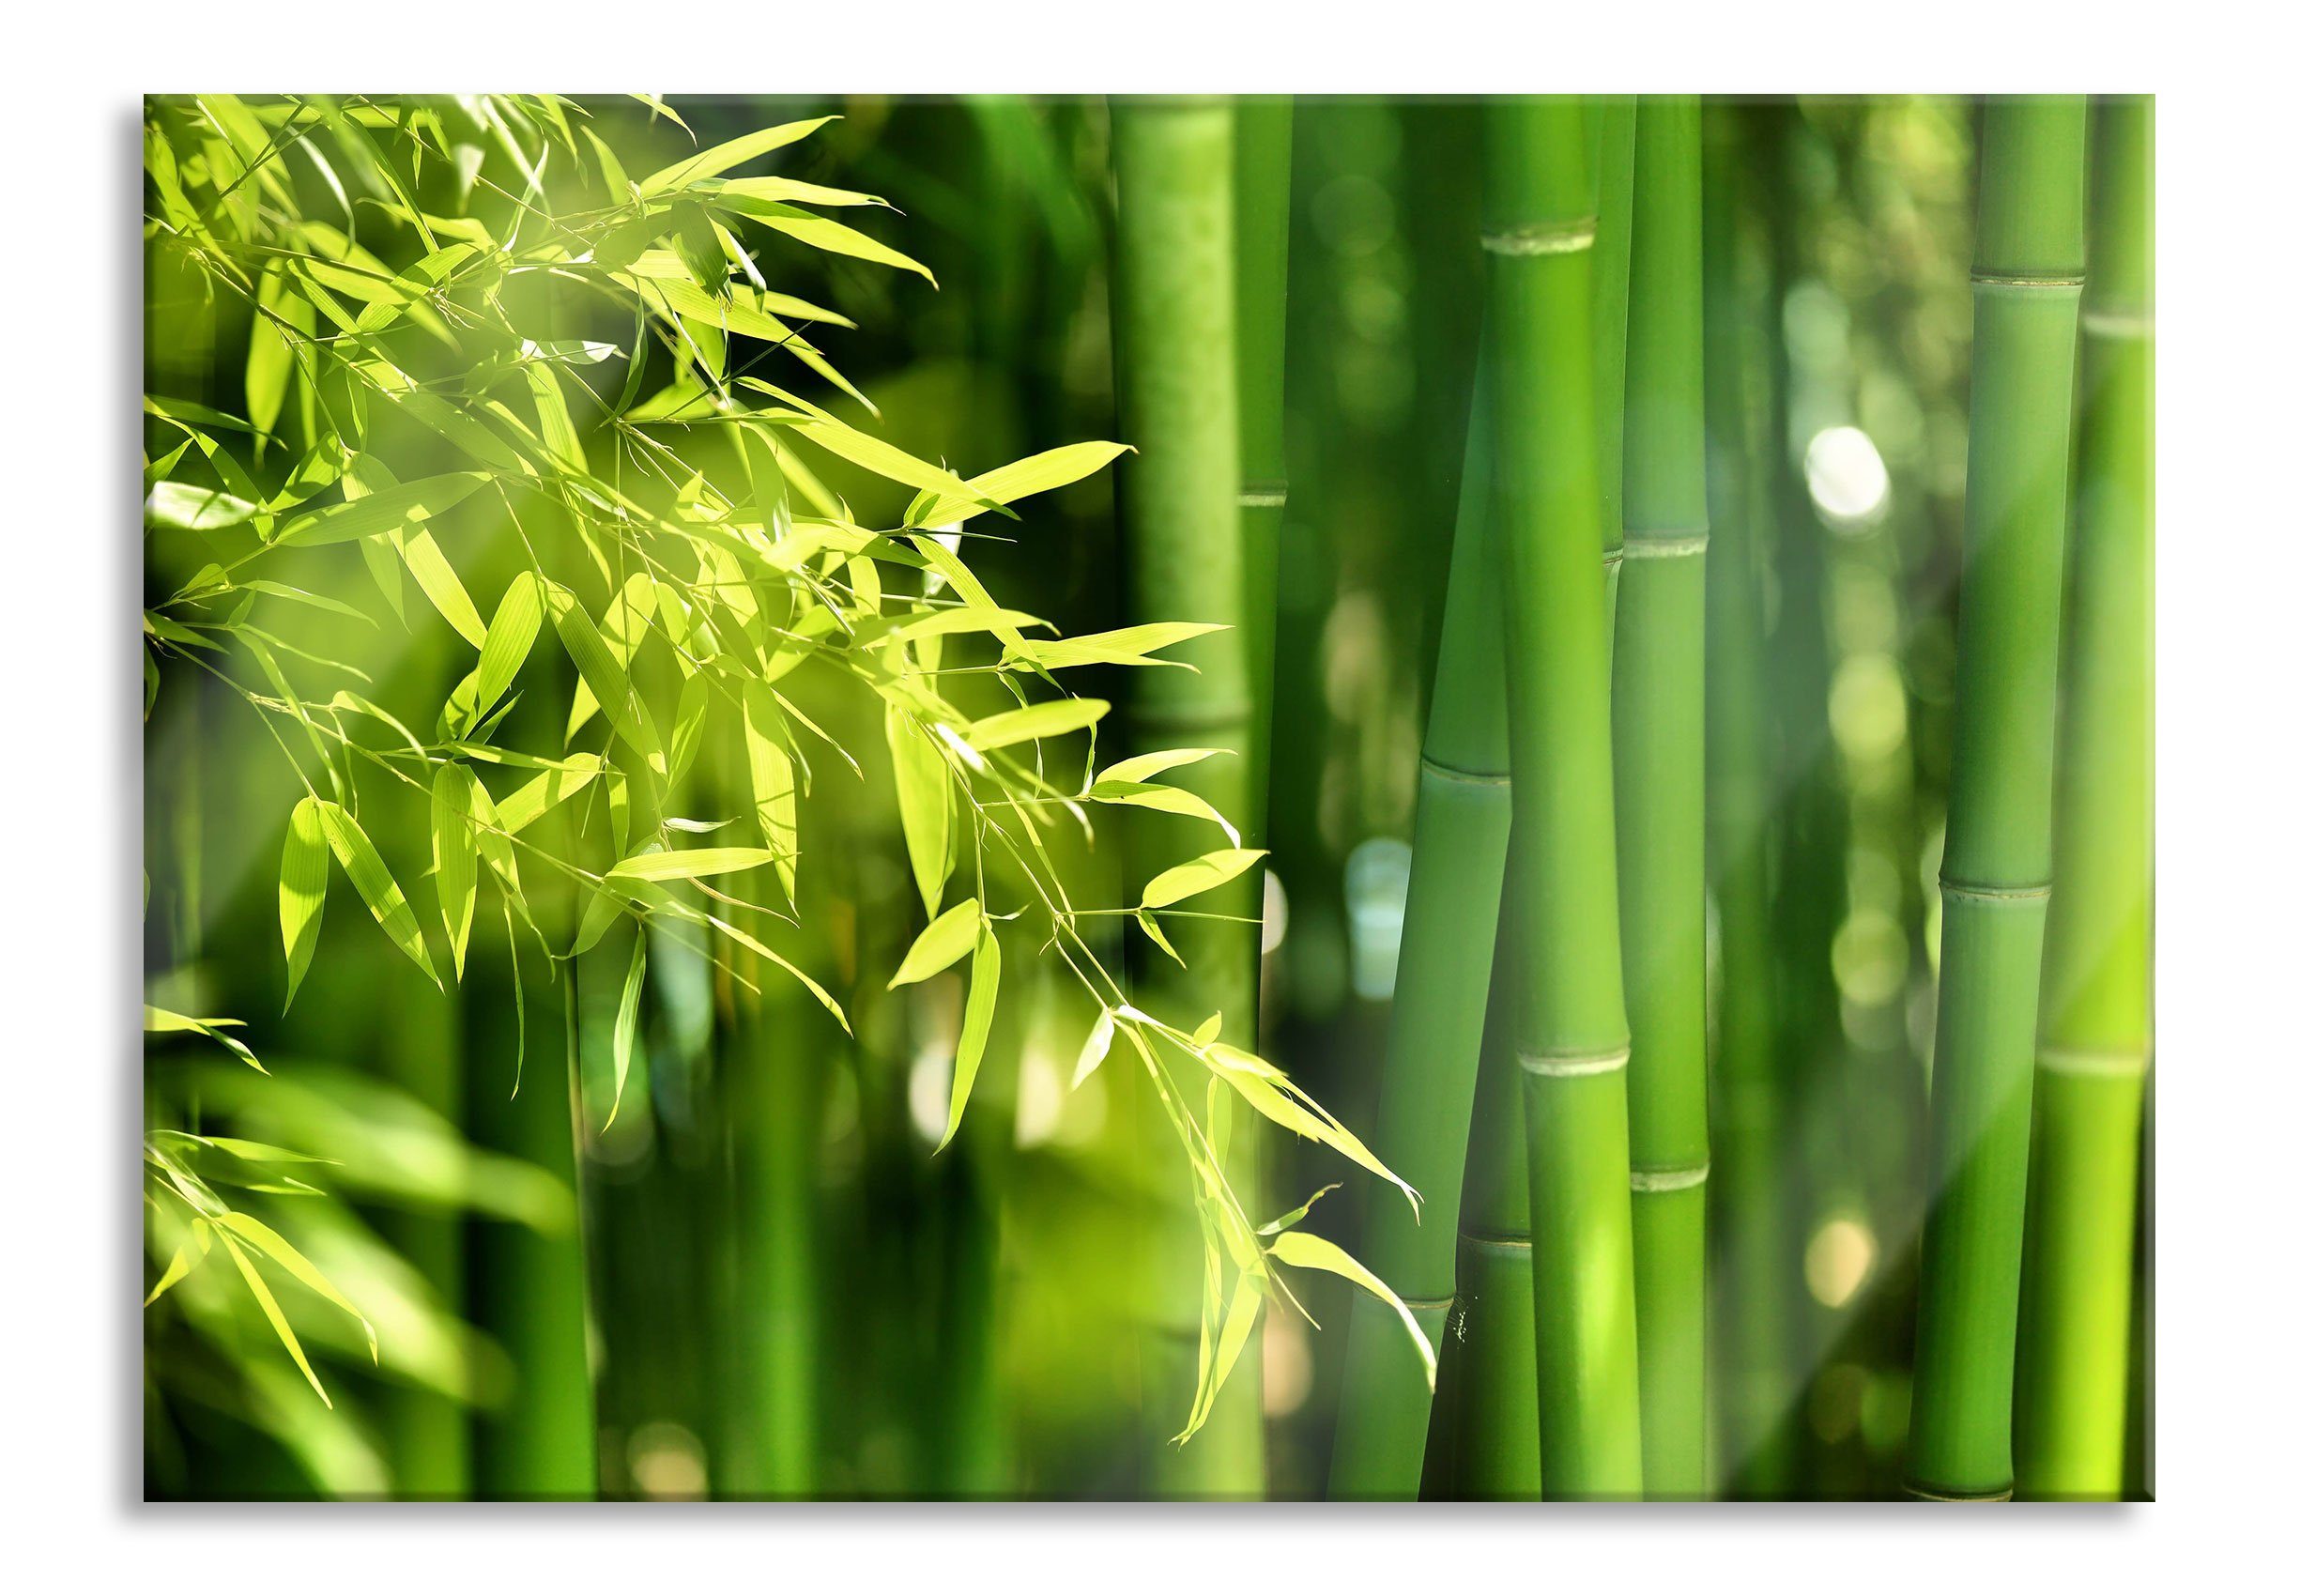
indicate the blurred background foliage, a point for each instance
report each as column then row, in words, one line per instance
column 957, row 1324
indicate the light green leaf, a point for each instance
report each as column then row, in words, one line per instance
column 685, row 865
column 385, row 510
column 922, row 796
column 938, row 948
column 821, row 233
column 1090, row 1057
column 522, row 808
column 724, row 156
column 437, row 579
column 1171, row 800
column 604, row 675
column 1128, row 645
column 627, row 1019
column 1053, row 718
column 373, row 880
column 518, row 617
column 1306, row 1251
column 303, row 890
column 775, row 792
column 1201, row 874
column 877, row 456
column 1039, row 473
column 264, row 1299
column 974, row 1029
column 191, row 509
column 454, row 856
column 275, row 1246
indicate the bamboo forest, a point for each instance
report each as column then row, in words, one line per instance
column 1136, row 798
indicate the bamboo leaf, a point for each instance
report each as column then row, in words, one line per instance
column 387, row 510
column 1090, row 1057
column 454, row 857
column 821, row 233
column 1128, row 645
column 303, row 890
column 1141, row 767
column 186, row 508
column 877, row 456
column 275, row 1246
column 689, row 863
column 1201, row 874
column 373, row 880
column 1039, row 473
column 974, row 1029
column 1171, row 800
column 627, row 1019
column 510, row 637
column 524, row 806
column 1053, row 718
column 938, row 948
column 1306, row 1251
column 604, row 675
column 437, row 579
column 264, row 1299
column 774, row 793
column 922, row 795
column 723, row 157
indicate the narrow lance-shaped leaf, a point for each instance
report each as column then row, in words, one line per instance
column 687, row 863
column 974, row 1029
column 1053, row 718
column 384, row 511
column 373, row 880
column 725, row 157
column 454, row 856
column 1201, row 874
column 1039, row 473
column 303, row 890
column 922, row 795
column 775, row 792
column 948, row 935
column 627, row 1019
column 1306, row 1251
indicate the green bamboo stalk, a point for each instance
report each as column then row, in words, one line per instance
column 1263, row 193
column 2093, row 1034
column 1657, row 731
column 1572, row 1030
column 1493, row 1349
column 1756, row 1254
column 1611, row 121
column 1453, row 902
column 2027, row 272
column 1176, row 312
column 776, row 1058
column 525, row 1286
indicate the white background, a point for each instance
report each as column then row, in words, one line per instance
column 68, row 889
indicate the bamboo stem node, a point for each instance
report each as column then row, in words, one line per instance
column 1573, row 1064
column 1445, row 771
column 1262, row 496
column 2114, row 1063
column 1543, row 238
column 1680, row 1179
column 2055, row 285
column 1492, row 1241
column 1981, row 892
column 1639, row 545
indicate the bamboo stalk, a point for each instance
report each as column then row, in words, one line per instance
column 2028, row 268
column 1571, row 1030
column 1264, row 189
column 1177, row 370
column 1611, row 121
column 1453, row 902
column 1657, row 733
column 2093, row 1036
column 1756, row 1258
column 1497, row 1415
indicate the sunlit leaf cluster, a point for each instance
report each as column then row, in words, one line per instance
column 467, row 313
